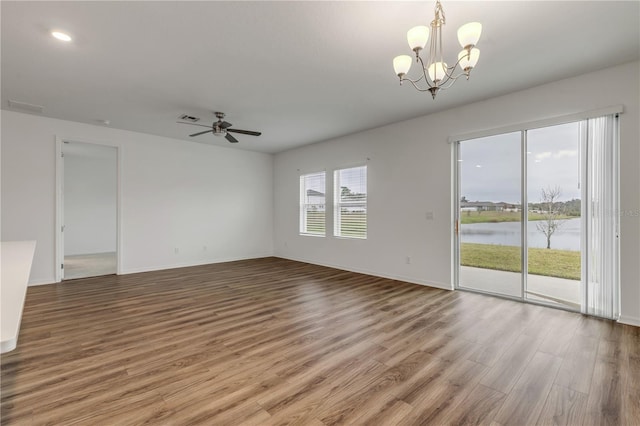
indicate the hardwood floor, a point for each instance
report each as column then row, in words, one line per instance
column 271, row 341
column 90, row 265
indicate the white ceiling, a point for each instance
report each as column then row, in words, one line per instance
column 300, row 72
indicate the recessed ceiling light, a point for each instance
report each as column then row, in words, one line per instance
column 61, row 36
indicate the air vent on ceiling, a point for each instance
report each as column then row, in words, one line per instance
column 189, row 118
column 26, row 106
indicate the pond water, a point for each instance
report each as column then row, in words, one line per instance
column 566, row 237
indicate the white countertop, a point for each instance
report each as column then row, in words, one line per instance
column 15, row 260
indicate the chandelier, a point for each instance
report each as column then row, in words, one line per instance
column 436, row 74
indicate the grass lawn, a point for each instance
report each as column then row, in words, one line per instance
column 352, row 225
column 549, row 262
column 553, row 263
column 497, row 217
column 315, row 222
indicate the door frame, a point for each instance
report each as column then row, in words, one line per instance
column 59, row 208
column 523, row 127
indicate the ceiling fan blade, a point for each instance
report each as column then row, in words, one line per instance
column 193, row 124
column 231, row 138
column 224, row 125
column 202, row 133
column 245, row 132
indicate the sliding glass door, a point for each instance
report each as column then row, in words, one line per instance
column 490, row 214
column 535, row 215
column 555, row 227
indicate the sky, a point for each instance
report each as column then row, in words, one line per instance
column 354, row 178
column 490, row 166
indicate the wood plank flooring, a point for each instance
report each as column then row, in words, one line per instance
column 271, row 341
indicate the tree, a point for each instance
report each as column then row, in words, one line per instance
column 551, row 212
column 347, row 195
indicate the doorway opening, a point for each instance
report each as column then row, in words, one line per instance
column 87, row 210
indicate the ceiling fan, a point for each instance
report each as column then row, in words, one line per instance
column 222, row 128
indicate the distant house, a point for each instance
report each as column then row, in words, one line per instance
column 483, row 206
column 316, row 198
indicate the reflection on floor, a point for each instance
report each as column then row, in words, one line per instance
column 547, row 289
column 89, row 265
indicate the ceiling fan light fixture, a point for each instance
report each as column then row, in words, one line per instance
column 220, row 128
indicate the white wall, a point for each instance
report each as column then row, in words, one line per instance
column 174, row 194
column 409, row 175
column 90, row 200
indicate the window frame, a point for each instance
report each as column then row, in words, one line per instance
column 303, row 225
column 338, row 204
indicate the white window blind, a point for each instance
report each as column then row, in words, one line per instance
column 601, row 295
column 312, row 204
column 350, row 195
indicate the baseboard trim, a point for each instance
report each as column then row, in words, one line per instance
column 189, row 264
column 407, row 279
column 45, row 281
column 629, row 320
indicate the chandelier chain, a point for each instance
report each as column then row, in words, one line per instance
column 439, row 12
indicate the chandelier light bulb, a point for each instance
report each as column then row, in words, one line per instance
column 467, row 59
column 469, row 34
column 437, row 71
column 418, row 37
column 401, row 64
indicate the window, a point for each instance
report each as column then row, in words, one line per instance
column 350, row 194
column 312, row 204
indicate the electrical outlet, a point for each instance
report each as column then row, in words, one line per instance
column 176, row 251
column 408, row 260
column 429, row 215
